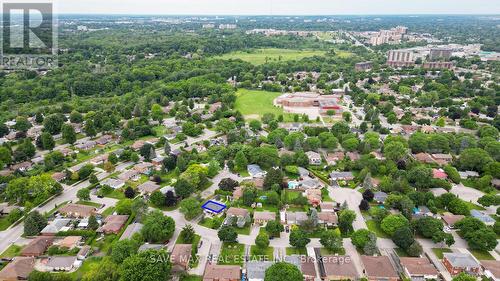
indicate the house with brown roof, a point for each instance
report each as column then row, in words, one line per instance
column 222, row 273
column 113, row 224
column 19, row 269
column 144, row 167
column 379, row 268
column 328, row 219
column 129, row 175
column 337, row 268
column 77, row 211
column 58, row 176
column 424, row 158
column 105, row 139
column 491, row 269
column 442, row 159
column 180, row 256
column 308, row 268
column 148, row 187
column 334, row 157
column 60, row 263
column 242, row 216
column 137, row 145
column 37, row 246
column 327, row 207
column 418, row 268
column 264, row 217
column 450, row 219
column 70, row 242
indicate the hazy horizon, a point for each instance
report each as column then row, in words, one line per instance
column 278, row 8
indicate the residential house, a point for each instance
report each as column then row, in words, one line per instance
column 333, row 158
column 303, row 173
column 131, row 229
column 313, row 196
column 255, row 171
column 263, row 217
column 342, row 176
column 105, row 139
column 314, row 158
column 61, row 263
column 450, row 219
column 491, row 269
column 424, row 158
column 457, row 263
column 379, row 268
column 180, row 256
column 328, row 219
column 158, row 161
column 380, row 197
column 70, row 242
column 127, row 175
column 37, row 246
column 137, row 145
column 485, row 218
column 442, row 159
column 222, row 273
column 77, row 210
column 58, row 176
column 86, row 145
column 113, row 224
column 418, row 268
column 98, row 160
column 144, row 168
column 256, row 270
column 310, row 183
column 55, row 226
column 113, row 183
column 84, row 252
column 18, row 269
column 22, row 167
column 147, row 246
column 242, row 216
column 296, row 218
column 308, row 268
column 148, row 187
column 327, row 207
column 353, row 156
column 439, row 174
column 468, row 174
column 337, row 268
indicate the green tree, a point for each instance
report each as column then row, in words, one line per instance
column 332, row 241
column 93, row 224
column 393, row 222
column 262, row 240
column 122, row 249
column 34, row 223
column 403, row 237
column 240, row 161
column 274, row 228
column 227, row 234
column 273, row 176
column 68, row 134
column 150, row 265
column 53, row 123
column 191, row 208
column 299, row 239
column 283, row 271
column 83, row 194
column 157, row 227
column 464, row 277
column 346, row 218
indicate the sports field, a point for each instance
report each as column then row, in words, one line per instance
column 261, row 56
column 253, row 103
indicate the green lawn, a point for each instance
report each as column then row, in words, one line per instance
column 374, row 227
column 325, row 195
column 108, row 211
column 191, row 278
column 261, row 56
column 12, row 251
column 244, row 230
column 231, row 253
column 473, row 206
column 89, row 203
column 295, row 251
column 253, row 103
column 87, row 265
column 326, row 252
column 258, row 254
column 4, row 223
column 440, row 251
column 482, row 255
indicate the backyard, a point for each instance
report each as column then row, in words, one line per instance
column 231, row 253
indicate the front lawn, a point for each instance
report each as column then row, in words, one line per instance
column 440, row 251
column 244, row 230
column 12, row 251
column 374, row 227
column 108, row 211
column 258, row 254
column 89, row 203
column 481, row 255
column 295, row 251
column 4, row 223
column 231, row 253
column 325, row 195
column 326, row 252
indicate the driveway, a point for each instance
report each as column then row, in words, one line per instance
column 353, row 198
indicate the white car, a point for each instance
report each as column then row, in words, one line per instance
column 447, row 229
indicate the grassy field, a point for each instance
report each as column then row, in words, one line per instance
column 261, row 56
column 481, row 255
column 231, row 253
column 254, row 103
column 440, row 251
column 374, row 227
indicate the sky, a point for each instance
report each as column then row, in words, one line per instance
column 277, row 7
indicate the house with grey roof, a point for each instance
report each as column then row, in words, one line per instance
column 486, row 219
column 457, row 263
column 256, row 270
column 55, row 226
column 255, row 171
column 380, row 196
column 343, row 176
column 131, row 229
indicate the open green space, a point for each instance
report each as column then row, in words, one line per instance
column 258, row 254
column 231, row 253
column 440, row 251
column 261, row 56
column 254, row 103
column 374, row 227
